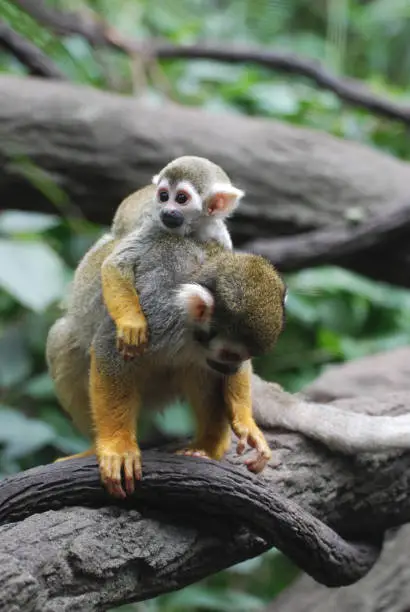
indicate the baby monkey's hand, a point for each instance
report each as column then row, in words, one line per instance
column 132, row 336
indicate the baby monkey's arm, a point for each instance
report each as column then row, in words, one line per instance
column 121, row 297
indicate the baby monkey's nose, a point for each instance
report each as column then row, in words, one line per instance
column 172, row 218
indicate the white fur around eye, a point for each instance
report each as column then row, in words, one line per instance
column 162, row 185
column 194, row 200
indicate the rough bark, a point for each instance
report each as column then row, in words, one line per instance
column 334, row 244
column 387, row 586
column 98, row 147
column 370, row 376
column 385, row 589
column 195, row 517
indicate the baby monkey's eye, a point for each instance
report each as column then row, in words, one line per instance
column 181, row 197
column 163, row 195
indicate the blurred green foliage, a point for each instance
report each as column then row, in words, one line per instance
column 332, row 315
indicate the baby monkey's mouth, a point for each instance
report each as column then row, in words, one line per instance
column 223, row 368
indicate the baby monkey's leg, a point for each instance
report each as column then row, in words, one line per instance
column 115, row 403
column 123, row 304
column 213, row 432
column 238, row 398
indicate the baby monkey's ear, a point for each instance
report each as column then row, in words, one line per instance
column 223, row 199
column 197, row 302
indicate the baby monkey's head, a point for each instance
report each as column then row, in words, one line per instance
column 236, row 309
column 191, row 189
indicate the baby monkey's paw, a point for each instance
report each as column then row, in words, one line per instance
column 251, row 435
column 113, row 463
column 193, row 452
column 132, row 336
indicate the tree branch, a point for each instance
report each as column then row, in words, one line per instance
column 196, row 517
column 98, row 33
column 385, row 589
column 370, row 376
column 223, row 491
column 333, row 244
column 38, row 63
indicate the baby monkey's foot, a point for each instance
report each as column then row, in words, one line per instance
column 193, row 452
column 132, row 336
column 251, row 435
column 113, row 463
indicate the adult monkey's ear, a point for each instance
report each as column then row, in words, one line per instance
column 197, row 302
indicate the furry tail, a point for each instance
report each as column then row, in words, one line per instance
column 342, row 430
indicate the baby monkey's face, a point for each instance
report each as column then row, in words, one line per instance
column 180, row 206
column 191, row 191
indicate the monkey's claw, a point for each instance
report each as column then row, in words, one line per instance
column 132, row 337
column 113, row 464
column 253, row 437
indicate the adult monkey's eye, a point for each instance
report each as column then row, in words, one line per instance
column 181, row 197
column 163, row 195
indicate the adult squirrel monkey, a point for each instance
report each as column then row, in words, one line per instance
column 209, row 311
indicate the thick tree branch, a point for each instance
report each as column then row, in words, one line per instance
column 196, row 517
column 370, row 376
column 223, row 491
column 98, row 147
column 38, row 63
column 337, row 243
column 99, row 33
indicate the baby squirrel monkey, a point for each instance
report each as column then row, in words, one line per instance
column 191, row 196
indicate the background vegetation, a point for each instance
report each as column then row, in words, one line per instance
column 332, row 315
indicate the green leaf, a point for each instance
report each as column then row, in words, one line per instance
column 67, row 439
column 40, row 387
column 246, row 567
column 331, row 280
column 175, row 420
column 198, row 597
column 32, row 273
column 18, row 222
column 15, row 359
column 277, row 98
column 21, row 436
